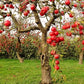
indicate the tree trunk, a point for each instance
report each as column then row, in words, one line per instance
column 45, row 67
column 81, row 57
column 19, row 58
column 18, row 50
column 10, row 57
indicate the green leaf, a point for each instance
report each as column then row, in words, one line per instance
column 60, row 17
column 57, row 0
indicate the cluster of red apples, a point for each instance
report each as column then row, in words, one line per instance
column 77, row 27
column 53, row 40
column 56, row 57
column 54, row 37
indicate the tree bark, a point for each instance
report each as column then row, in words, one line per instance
column 81, row 57
column 18, row 50
column 19, row 58
column 45, row 67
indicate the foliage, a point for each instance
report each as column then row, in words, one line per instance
column 28, row 49
column 67, row 49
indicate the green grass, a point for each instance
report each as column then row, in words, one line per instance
column 29, row 72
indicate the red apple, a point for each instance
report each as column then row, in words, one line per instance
column 62, row 12
column 75, row 5
column 81, row 32
column 7, row 5
column 44, row 10
column 53, row 44
column 67, row 2
column 68, row 33
column 53, row 52
column 82, row 12
column 57, row 40
column 53, row 37
column 1, row 31
column 7, row 23
column 64, row 27
column 67, row 25
column 56, row 62
column 61, row 38
column 51, row 33
column 25, row 13
column 51, row 0
column 49, row 41
column 76, row 23
column 41, row 13
column 8, row 14
column 83, row 42
column 5, row 9
column 56, row 67
column 2, row 6
column 33, row 7
column 56, row 33
column 53, row 29
column 73, row 26
column 83, row 48
column 56, row 11
column 71, row 15
column 80, row 27
column 56, row 56
column 10, row 6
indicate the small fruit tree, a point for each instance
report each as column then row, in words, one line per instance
column 76, row 32
column 45, row 14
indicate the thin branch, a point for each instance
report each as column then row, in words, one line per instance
column 3, row 14
column 52, row 18
column 75, row 34
column 48, row 24
column 29, row 29
column 58, row 22
column 15, row 21
column 37, row 19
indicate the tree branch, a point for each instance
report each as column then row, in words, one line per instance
column 37, row 20
column 75, row 34
column 14, row 20
column 52, row 18
column 48, row 24
column 3, row 14
column 29, row 29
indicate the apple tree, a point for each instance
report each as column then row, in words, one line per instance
column 45, row 14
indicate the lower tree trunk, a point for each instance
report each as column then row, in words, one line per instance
column 10, row 57
column 46, row 72
column 19, row 58
column 81, row 57
column 18, row 50
column 45, row 67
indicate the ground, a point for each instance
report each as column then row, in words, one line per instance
column 29, row 72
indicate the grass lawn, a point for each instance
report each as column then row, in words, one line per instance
column 29, row 72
